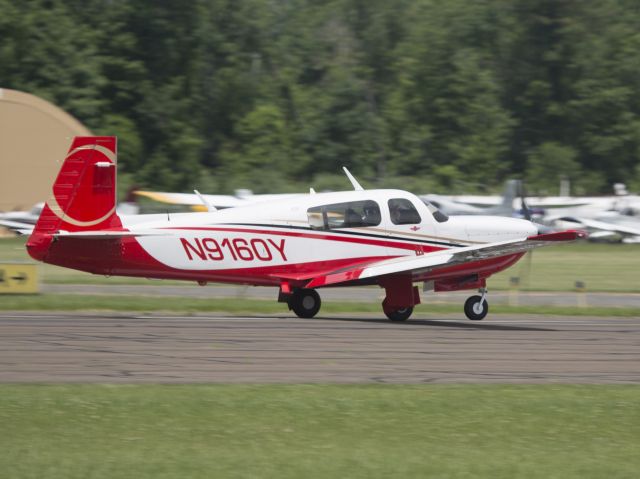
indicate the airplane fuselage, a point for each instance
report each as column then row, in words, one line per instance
column 298, row 243
column 260, row 244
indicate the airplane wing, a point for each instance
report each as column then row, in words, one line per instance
column 188, row 199
column 219, row 201
column 417, row 265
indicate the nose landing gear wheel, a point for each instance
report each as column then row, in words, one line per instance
column 475, row 308
column 305, row 303
column 398, row 314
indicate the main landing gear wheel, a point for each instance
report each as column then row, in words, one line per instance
column 398, row 314
column 305, row 303
column 476, row 308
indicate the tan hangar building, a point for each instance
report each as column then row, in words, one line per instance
column 34, row 138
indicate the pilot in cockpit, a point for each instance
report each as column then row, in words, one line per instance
column 371, row 215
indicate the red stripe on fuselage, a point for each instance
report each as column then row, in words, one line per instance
column 126, row 257
column 425, row 248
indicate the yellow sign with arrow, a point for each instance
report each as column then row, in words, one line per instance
column 18, row 278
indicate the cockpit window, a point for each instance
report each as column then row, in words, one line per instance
column 354, row 214
column 438, row 215
column 403, row 212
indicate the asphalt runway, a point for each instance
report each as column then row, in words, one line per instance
column 361, row 294
column 66, row 347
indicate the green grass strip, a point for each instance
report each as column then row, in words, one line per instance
column 319, row 431
column 600, row 267
column 58, row 302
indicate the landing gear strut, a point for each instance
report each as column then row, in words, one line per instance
column 400, row 297
column 477, row 307
column 305, row 302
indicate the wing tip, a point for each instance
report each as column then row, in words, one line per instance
column 568, row 235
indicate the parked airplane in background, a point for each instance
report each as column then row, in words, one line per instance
column 21, row 222
column 608, row 229
column 606, row 218
column 361, row 237
column 606, row 226
column 201, row 202
column 506, row 207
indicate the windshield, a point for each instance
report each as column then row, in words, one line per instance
column 403, row 212
column 438, row 215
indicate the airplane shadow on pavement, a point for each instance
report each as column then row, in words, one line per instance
column 443, row 323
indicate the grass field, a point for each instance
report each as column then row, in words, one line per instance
column 321, row 431
column 305, row 431
column 601, row 267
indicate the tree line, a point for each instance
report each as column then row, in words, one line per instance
column 277, row 95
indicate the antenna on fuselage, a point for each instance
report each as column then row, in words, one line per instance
column 312, row 191
column 354, row 182
column 210, row 208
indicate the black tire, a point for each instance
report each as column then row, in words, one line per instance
column 398, row 314
column 473, row 310
column 305, row 303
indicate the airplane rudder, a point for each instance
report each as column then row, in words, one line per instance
column 83, row 195
column 84, row 192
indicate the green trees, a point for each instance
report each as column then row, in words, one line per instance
column 277, row 95
column 45, row 52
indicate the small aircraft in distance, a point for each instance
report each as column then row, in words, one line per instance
column 300, row 244
column 606, row 218
column 21, row 222
column 512, row 190
column 202, row 202
column 243, row 197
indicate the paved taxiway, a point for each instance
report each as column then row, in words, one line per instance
column 57, row 347
column 362, row 294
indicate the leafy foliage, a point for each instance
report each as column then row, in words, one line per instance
column 277, row 96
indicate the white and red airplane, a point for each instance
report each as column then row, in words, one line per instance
column 388, row 238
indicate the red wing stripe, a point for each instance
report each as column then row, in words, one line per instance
column 335, row 278
column 569, row 235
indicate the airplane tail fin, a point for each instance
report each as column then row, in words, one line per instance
column 511, row 188
column 505, row 208
column 83, row 195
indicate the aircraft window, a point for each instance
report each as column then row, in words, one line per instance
column 438, row 215
column 354, row 214
column 403, row 212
